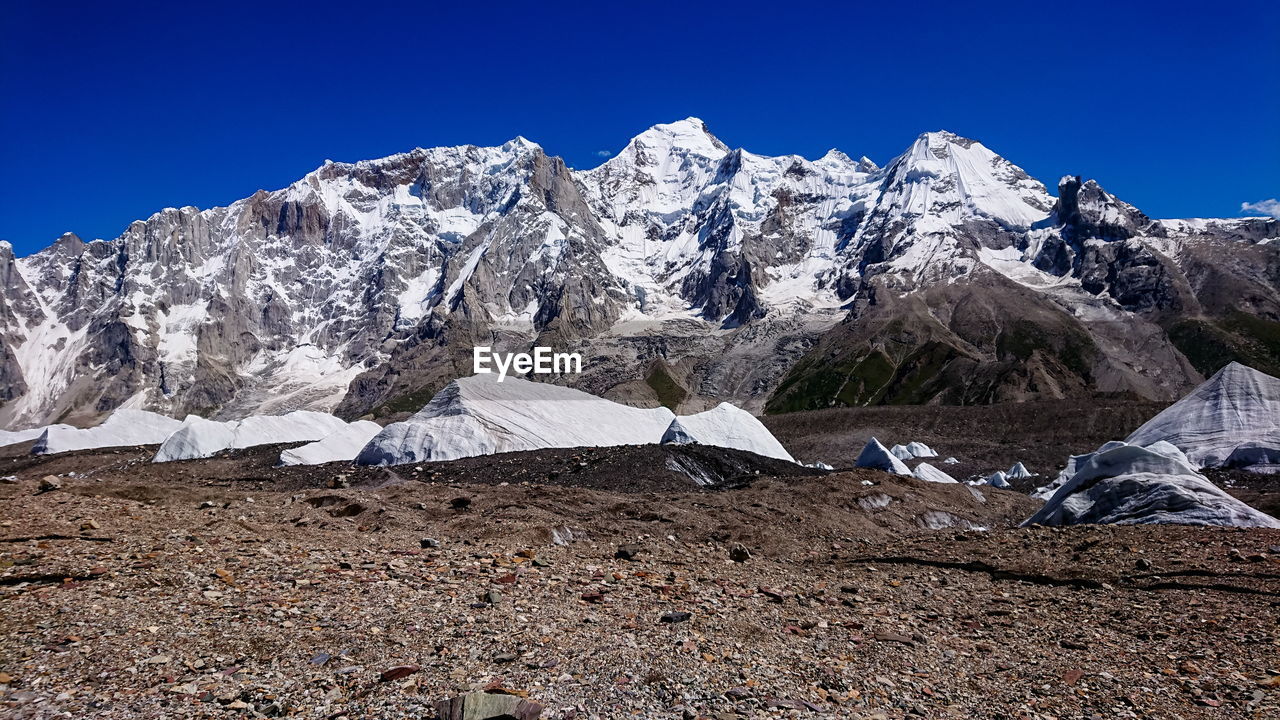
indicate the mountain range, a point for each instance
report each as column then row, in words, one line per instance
column 686, row 272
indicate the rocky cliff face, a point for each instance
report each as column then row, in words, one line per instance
column 682, row 269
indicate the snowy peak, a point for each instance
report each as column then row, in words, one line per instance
column 951, row 177
column 685, row 137
column 348, row 288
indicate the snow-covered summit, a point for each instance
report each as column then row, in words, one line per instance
column 689, row 136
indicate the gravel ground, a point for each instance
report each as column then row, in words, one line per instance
column 224, row 588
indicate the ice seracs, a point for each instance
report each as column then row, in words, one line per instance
column 1232, row 420
column 726, row 426
column 200, row 438
column 912, row 450
column 123, row 427
column 1133, row 485
column 1018, row 472
column 876, row 456
column 13, row 437
column 997, row 479
column 478, row 416
column 920, row 450
column 341, row 445
column 928, row 473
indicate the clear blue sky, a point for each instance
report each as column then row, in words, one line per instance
column 111, row 111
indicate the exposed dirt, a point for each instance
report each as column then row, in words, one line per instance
column 226, row 588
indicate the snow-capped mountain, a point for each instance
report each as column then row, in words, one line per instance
column 686, row 271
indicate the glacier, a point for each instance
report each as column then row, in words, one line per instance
column 201, row 438
column 342, row 445
column 726, row 426
column 1232, row 420
column 1129, row 484
column 122, row 428
column 876, row 456
column 477, row 415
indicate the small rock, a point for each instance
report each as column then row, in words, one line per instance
column 739, row 553
column 627, row 552
column 773, row 595
column 49, row 483
column 90, row 525
column 506, row 657
column 883, row 636
column 460, row 503
column 1143, row 564
column 398, row 672
column 678, row 616
column 488, row 706
column 428, row 543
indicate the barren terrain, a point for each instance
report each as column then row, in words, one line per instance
column 226, row 588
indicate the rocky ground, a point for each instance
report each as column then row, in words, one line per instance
column 603, row 586
column 984, row 438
